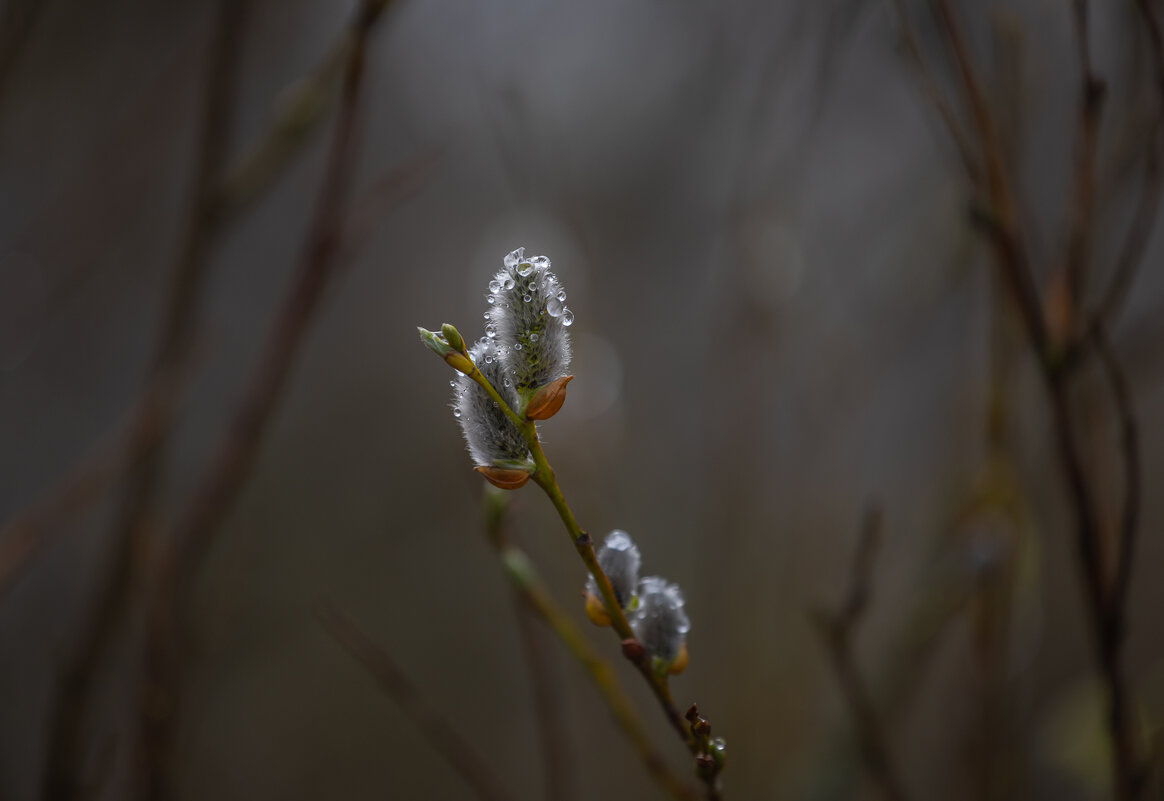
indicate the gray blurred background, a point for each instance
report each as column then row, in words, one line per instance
column 783, row 315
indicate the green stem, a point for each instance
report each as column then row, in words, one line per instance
column 544, row 477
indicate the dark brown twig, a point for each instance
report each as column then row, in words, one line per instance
column 460, row 755
column 221, row 482
column 1133, row 479
column 1081, row 224
column 933, row 91
column 837, row 630
column 1003, row 213
column 1013, row 262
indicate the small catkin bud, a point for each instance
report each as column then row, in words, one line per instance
column 493, row 439
column 619, row 559
column 528, row 319
column 659, row 622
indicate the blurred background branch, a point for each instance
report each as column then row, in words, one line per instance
column 761, row 212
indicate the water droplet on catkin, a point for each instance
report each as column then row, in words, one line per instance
column 567, row 317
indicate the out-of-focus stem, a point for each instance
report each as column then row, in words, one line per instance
column 524, row 576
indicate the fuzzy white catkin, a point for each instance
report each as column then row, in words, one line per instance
column 528, row 320
column 489, row 434
column 619, row 559
column 659, row 622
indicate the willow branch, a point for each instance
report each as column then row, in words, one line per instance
column 544, row 477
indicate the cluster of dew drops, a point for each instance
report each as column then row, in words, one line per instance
column 499, row 350
column 537, row 279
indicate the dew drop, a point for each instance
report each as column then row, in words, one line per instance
column 533, row 337
column 513, row 258
column 507, row 283
column 490, row 300
column 540, row 262
column 554, row 307
column 524, row 269
column 527, row 298
column 491, row 330
column 517, row 346
column 456, row 412
column 567, row 317
column 488, row 360
column 494, row 285
column 562, row 295
column 507, row 381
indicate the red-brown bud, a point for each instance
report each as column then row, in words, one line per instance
column 546, row 402
column 503, row 477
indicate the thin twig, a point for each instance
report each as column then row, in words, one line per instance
column 837, row 630
column 1081, row 225
column 64, row 766
column 1133, row 479
column 1003, row 220
column 523, row 575
column 222, row 480
column 1012, row 260
column 459, row 753
column 933, row 91
column 557, row 756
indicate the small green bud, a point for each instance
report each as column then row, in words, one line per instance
column 442, row 347
column 433, row 341
column 453, row 337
